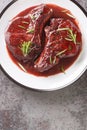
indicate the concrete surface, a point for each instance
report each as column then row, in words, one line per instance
column 23, row 109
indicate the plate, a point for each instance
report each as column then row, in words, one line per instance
column 43, row 83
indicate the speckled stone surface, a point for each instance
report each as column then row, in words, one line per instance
column 24, row 109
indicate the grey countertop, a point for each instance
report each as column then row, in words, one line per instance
column 24, row 109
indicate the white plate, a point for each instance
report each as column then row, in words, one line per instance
column 43, row 83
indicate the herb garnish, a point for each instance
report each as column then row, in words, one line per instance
column 62, row 29
column 62, row 69
column 21, row 26
column 70, row 48
column 30, row 31
column 26, row 47
column 33, row 17
column 61, row 52
column 52, row 61
column 25, row 22
column 21, row 66
column 71, row 36
column 65, row 10
column 70, row 15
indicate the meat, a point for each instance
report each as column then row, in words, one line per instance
column 24, row 34
column 41, row 36
column 63, row 40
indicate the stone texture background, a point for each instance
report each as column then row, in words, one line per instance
column 24, row 109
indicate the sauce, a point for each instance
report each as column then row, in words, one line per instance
column 64, row 63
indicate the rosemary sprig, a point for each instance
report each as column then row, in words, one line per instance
column 30, row 31
column 70, row 15
column 20, row 26
column 26, row 47
column 61, row 52
column 70, row 48
column 52, row 60
column 25, row 22
column 71, row 36
column 21, row 66
column 33, row 17
column 62, row 29
column 65, row 10
column 68, row 39
column 62, row 69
